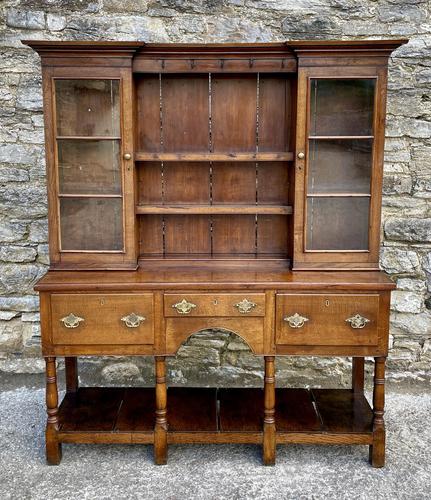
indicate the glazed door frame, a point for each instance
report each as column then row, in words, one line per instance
column 97, row 259
column 338, row 259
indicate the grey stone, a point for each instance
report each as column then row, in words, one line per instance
column 13, row 174
column 10, row 336
column 19, row 278
column 29, row 94
column 394, row 260
column 237, row 345
column 55, row 22
column 27, row 19
column 16, row 153
column 22, row 365
column 139, row 6
column 38, row 231
column 422, row 187
column 27, row 303
column 121, row 372
column 410, row 324
column 406, row 302
column 397, row 184
column 24, row 201
column 301, row 24
column 7, row 315
column 43, row 253
column 12, row 230
column 411, row 284
column 411, row 229
column 30, row 317
column 17, row 254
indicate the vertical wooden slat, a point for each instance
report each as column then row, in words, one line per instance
column 53, row 447
column 358, row 375
column 161, row 427
column 187, row 234
column 148, row 113
column 269, row 441
column 377, row 449
column 71, row 367
column 150, row 235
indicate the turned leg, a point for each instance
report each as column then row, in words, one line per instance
column 269, row 413
column 161, row 427
column 358, row 375
column 53, row 447
column 71, row 366
column 377, row 449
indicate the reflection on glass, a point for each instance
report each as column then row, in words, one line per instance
column 89, row 167
column 339, row 166
column 339, row 223
column 91, row 224
column 88, row 107
column 341, row 107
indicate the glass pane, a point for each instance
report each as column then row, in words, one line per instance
column 339, row 166
column 337, row 223
column 88, row 107
column 89, row 167
column 91, row 223
column 342, row 107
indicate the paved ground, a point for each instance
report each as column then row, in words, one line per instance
column 212, row 472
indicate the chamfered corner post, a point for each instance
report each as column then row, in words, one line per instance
column 71, row 368
column 377, row 449
column 53, row 446
column 358, row 367
column 269, row 437
column 161, row 426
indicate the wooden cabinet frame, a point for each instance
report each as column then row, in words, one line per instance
column 214, row 163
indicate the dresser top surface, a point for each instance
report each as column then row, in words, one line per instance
column 207, row 279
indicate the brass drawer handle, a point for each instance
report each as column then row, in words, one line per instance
column 357, row 321
column 133, row 320
column 184, row 307
column 245, row 306
column 296, row 321
column 71, row 321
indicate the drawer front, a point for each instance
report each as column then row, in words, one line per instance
column 100, row 319
column 327, row 319
column 214, row 305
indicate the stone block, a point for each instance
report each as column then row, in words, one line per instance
column 27, row 303
column 26, row 19
column 412, row 285
column 406, row 302
column 19, row 278
column 12, row 230
column 395, row 260
column 121, row 372
column 17, row 254
column 408, row 229
column 55, row 22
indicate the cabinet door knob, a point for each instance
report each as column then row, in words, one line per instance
column 296, row 321
column 245, row 306
column 133, row 320
column 184, row 307
column 301, row 155
column 357, row 321
column 127, row 156
column 71, row 321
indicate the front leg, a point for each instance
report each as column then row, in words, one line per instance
column 377, row 449
column 53, row 446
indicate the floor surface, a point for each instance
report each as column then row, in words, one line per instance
column 213, row 471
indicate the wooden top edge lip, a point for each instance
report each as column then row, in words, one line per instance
column 98, row 281
column 286, row 46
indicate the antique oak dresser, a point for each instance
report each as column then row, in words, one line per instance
column 232, row 186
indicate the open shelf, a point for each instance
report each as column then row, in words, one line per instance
column 213, row 209
column 95, row 414
column 204, row 156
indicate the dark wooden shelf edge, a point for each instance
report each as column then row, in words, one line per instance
column 214, row 209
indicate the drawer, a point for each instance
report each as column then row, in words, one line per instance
column 101, row 319
column 327, row 319
column 214, row 304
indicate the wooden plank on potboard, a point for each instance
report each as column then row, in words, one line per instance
column 241, row 410
column 192, row 409
column 90, row 409
column 294, row 411
column 341, row 410
column 137, row 413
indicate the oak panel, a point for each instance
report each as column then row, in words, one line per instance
column 327, row 315
column 102, row 315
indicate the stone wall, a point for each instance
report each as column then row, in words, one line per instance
column 406, row 229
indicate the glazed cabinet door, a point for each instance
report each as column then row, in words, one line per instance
column 339, row 167
column 90, row 169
